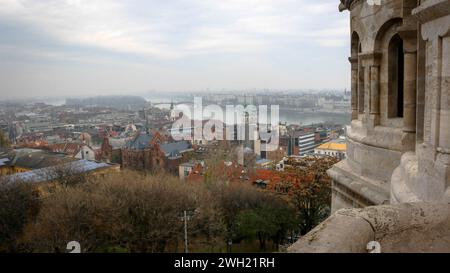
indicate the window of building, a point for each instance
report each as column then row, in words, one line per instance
column 396, row 77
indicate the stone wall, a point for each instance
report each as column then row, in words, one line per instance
column 424, row 175
column 399, row 49
column 400, row 57
column 392, row 226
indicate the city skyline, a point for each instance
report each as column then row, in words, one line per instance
column 82, row 48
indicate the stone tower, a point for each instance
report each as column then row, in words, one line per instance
column 399, row 138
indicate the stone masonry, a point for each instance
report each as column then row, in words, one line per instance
column 399, row 139
column 394, row 186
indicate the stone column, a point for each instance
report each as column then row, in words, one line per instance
column 444, row 136
column 371, row 62
column 366, row 89
column 435, row 30
column 433, row 96
column 375, row 90
column 354, row 65
column 434, row 158
column 410, row 80
column 361, row 86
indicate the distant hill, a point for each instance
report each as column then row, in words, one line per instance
column 118, row 102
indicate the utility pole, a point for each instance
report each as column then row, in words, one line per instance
column 185, row 233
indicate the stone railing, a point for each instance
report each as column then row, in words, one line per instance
column 350, row 230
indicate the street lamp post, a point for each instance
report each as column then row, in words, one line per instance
column 187, row 215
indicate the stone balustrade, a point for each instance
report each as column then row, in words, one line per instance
column 350, row 230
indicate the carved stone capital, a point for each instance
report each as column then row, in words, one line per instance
column 354, row 62
column 370, row 58
column 409, row 37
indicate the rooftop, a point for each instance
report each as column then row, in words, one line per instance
column 333, row 146
column 174, row 149
column 33, row 158
column 141, row 141
column 47, row 174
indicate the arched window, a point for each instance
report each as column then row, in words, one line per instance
column 396, row 77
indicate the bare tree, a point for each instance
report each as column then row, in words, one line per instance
column 134, row 212
column 67, row 174
column 19, row 204
column 126, row 211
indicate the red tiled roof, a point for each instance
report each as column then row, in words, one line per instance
column 66, row 148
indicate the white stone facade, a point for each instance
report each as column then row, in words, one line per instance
column 398, row 146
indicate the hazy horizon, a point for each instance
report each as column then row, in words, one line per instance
column 69, row 48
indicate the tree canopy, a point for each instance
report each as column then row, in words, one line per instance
column 4, row 140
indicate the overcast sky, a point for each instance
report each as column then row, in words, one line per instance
column 98, row 47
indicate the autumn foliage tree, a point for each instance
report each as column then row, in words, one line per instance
column 307, row 186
